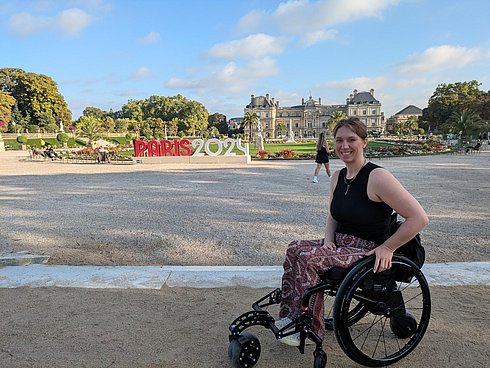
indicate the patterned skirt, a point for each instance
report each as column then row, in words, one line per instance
column 304, row 260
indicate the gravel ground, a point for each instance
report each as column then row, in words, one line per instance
column 114, row 214
column 210, row 215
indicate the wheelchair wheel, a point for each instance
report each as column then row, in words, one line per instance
column 356, row 312
column 244, row 351
column 394, row 314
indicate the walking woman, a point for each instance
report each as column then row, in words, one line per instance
column 322, row 152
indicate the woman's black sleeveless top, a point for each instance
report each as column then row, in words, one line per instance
column 355, row 213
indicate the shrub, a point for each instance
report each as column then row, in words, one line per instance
column 22, row 139
column 62, row 138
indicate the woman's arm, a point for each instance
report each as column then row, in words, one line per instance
column 331, row 224
column 384, row 187
column 326, row 146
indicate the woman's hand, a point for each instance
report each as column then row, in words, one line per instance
column 329, row 245
column 383, row 258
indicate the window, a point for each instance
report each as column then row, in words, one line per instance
column 354, row 112
column 364, row 112
column 373, row 112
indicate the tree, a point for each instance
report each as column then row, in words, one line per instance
column 249, row 121
column 335, row 118
column 132, row 110
column 172, row 126
column 219, row 121
column 36, row 95
column 407, row 126
column 192, row 115
column 95, row 112
column 447, row 99
column 7, row 102
column 463, row 122
column 89, row 127
column 281, row 128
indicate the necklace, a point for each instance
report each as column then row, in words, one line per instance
column 348, row 182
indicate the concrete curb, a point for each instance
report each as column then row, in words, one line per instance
column 155, row 277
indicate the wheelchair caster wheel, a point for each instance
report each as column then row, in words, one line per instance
column 244, row 351
column 403, row 326
column 320, row 359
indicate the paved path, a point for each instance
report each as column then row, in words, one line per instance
column 155, row 277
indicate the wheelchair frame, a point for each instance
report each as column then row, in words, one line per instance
column 363, row 301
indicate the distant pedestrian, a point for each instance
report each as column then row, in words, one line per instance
column 322, row 153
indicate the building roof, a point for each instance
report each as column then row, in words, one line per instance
column 260, row 101
column 410, row 110
column 363, row 98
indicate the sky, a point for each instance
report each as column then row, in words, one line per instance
column 103, row 53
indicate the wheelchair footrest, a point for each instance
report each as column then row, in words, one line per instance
column 251, row 318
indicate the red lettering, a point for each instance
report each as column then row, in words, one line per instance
column 176, row 147
column 139, row 147
column 166, row 147
column 153, row 149
column 185, row 145
column 163, row 147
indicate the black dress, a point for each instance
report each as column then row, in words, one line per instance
column 321, row 156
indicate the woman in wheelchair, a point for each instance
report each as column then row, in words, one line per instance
column 362, row 198
column 379, row 313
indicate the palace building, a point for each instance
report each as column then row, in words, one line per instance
column 311, row 118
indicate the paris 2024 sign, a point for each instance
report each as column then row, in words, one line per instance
column 186, row 147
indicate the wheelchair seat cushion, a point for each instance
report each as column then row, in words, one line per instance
column 335, row 274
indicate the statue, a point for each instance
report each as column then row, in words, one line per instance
column 259, row 139
column 291, row 133
column 62, row 128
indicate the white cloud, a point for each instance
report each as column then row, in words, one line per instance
column 319, row 36
column 152, row 37
column 70, row 22
column 359, row 83
column 250, row 21
column 24, row 24
column 253, row 46
column 229, row 78
column 410, row 82
column 142, row 73
column 439, row 58
column 297, row 15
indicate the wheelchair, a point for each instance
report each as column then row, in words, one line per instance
column 377, row 318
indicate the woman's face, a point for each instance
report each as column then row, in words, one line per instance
column 348, row 145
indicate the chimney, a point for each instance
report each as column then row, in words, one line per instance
column 252, row 97
column 302, row 101
column 267, row 97
column 355, row 92
column 319, row 100
column 372, row 92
